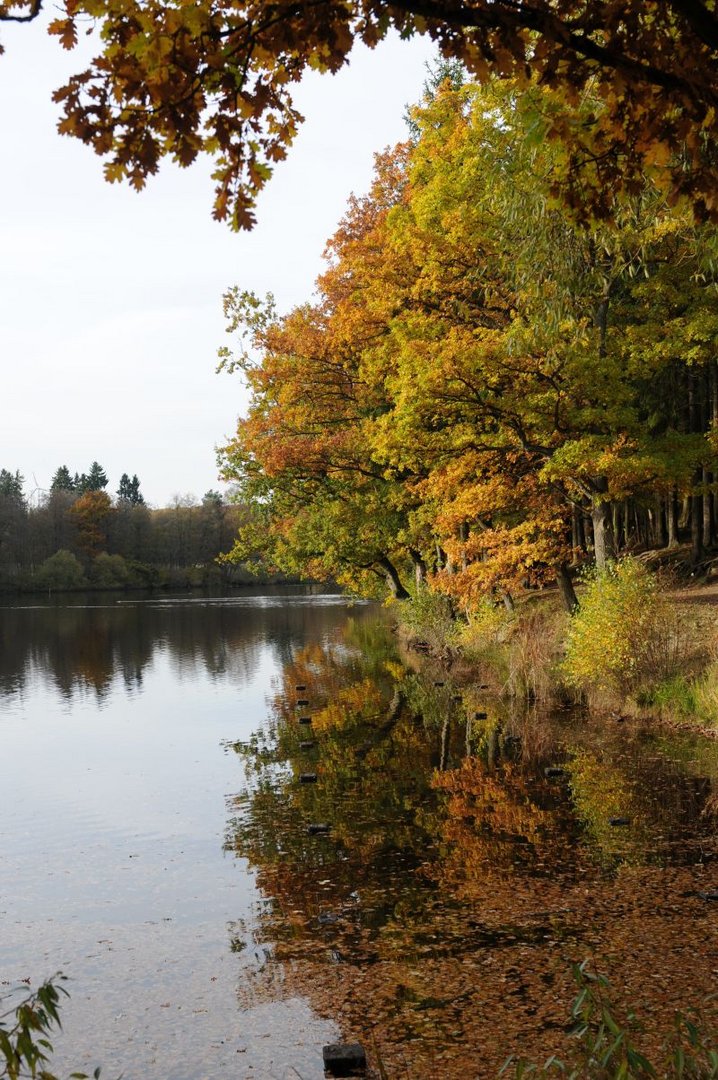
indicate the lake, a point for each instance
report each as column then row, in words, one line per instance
column 159, row 778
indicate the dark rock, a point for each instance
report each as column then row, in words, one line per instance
column 309, row 744
column 302, row 703
column 327, row 918
column 344, row 1059
column 483, row 686
column 305, row 719
column 308, row 778
column 300, row 688
column 619, row 821
column 554, row 770
column 438, row 684
column 481, row 716
column 318, row 828
column 711, row 894
column 456, row 697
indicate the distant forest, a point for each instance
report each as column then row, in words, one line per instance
column 80, row 536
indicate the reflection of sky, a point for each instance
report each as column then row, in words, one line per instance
column 112, row 817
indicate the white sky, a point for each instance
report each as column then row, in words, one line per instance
column 110, row 302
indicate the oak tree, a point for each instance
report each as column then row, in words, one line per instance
column 178, row 80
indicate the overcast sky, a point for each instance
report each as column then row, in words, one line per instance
column 111, row 302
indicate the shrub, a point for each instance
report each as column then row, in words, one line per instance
column 109, row 571
column 625, row 635
column 62, row 570
column 520, row 649
column 429, row 617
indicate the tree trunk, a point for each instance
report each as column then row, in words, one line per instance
column 706, row 479
column 659, row 530
column 565, row 585
column 463, row 536
column 603, row 543
column 696, row 513
column 672, row 518
column 419, row 567
column 696, row 499
column 392, row 579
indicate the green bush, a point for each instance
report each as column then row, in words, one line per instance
column 625, row 635
column 63, row 570
column 429, row 617
column 109, row 571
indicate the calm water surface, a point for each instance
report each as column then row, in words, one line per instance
column 157, row 784
column 113, row 784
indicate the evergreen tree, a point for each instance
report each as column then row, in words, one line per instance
column 11, row 485
column 62, row 480
column 129, row 490
column 96, row 479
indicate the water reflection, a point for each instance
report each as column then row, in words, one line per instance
column 95, row 642
column 471, row 856
column 113, row 779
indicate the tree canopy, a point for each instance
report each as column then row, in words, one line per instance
column 176, row 80
column 484, row 389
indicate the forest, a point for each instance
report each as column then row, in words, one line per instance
column 490, row 388
column 78, row 536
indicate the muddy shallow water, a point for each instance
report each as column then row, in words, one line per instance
column 156, row 792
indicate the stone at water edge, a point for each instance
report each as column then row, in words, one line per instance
column 344, row 1059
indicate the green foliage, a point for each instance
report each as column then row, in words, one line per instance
column 11, row 485
column 429, row 617
column 109, row 571
column 62, row 570
column 129, row 490
column 625, row 633
column 25, row 1047
column 606, row 1046
column 62, row 480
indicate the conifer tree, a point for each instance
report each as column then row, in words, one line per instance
column 62, row 480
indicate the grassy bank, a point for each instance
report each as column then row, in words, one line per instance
column 637, row 644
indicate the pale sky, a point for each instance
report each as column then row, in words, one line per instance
column 111, row 302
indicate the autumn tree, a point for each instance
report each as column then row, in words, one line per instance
column 485, row 387
column 177, row 80
column 90, row 513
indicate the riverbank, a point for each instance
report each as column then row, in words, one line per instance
column 641, row 644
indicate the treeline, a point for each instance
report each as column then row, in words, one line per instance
column 492, row 386
column 79, row 536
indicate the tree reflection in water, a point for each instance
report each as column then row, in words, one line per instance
column 438, row 918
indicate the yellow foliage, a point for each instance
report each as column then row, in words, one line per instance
column 625, row 633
